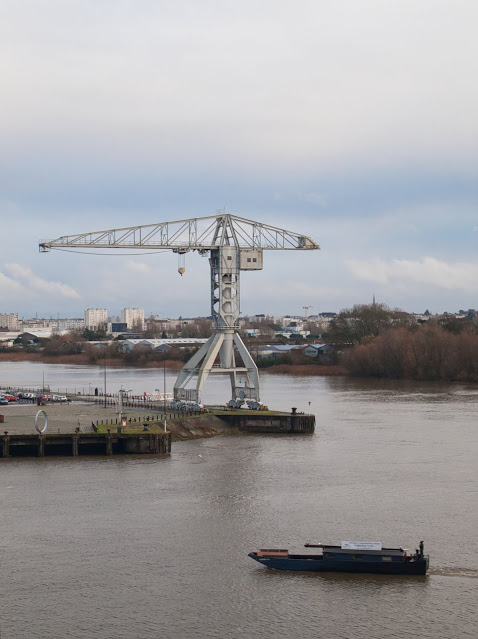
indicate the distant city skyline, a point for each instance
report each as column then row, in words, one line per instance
column 112, row 316
column 353, row 123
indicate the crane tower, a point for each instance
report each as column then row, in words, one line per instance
column 233, row 244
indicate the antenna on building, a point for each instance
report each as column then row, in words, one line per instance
column 306, row 308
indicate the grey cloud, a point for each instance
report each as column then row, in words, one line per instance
column 266, row 84
column 426, row 271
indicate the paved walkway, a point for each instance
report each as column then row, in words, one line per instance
column 62, row 418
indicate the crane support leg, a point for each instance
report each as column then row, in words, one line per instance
column 192, row 367
column 252, row 386
column 201, row 365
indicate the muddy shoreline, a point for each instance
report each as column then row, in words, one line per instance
column 83, row 360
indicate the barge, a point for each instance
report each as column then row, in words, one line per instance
column 368, row 557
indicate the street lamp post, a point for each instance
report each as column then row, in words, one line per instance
column 105, row 375
column 164, row 393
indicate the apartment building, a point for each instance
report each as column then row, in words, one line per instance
column 9, row 321
column 133, row 317
column 95, row 318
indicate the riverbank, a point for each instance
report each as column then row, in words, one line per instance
column 308, row 369
column 82, row 359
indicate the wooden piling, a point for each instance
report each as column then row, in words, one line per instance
column 6, row 444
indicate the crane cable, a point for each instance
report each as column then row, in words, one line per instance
column 181, row 263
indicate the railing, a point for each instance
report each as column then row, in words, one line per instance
column 136, row 401
column 142, row 420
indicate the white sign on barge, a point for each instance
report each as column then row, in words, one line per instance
column 361, row 545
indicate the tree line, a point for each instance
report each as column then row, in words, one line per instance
column 378, row 342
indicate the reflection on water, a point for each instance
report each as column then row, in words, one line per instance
column 133, row 547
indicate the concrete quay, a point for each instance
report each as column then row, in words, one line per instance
column 70, row 432
column 75, row 444
column 83, row 429
column 273, row 423
column 62, row 418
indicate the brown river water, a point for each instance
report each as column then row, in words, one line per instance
column 125, row 548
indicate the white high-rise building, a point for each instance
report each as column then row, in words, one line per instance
column 133, row 317
column 9, row 320
column 96, row 318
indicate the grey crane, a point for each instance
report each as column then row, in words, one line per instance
column 234, row 244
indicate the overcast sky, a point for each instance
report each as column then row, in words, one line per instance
column 352, row 122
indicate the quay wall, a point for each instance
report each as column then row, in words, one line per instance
column 76, row 444
column 280, row 423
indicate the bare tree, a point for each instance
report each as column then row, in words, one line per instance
column 352, row 325
column 428, row 353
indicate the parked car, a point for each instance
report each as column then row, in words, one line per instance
column 3, row 400
column 11, row 398
column 59, row 398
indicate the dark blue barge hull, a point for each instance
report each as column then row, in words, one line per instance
column 316, row 563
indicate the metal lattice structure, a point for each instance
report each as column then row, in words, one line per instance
column 234, row 244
